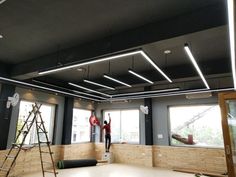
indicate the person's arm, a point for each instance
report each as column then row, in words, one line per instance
column 109, row 119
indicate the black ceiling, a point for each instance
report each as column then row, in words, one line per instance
column 39, row 35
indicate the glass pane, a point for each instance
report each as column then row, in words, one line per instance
column 115, row 125
column 198, row 125
column 231, row 116
column 80, row 126
column 130, row 126
column 47, row 113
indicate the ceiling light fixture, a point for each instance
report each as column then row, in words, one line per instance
column 140, row 52
column 191, row 57
column 177, row 93
column 101, row 85
column 45, row 88
column 2, row 1
column 230, row 5
column 146, row 92
column 83, row 93
column 154, row 65
column 115, row 80
column 95, row 96
column 1, row 36
column 84, row 88
column 138, row 75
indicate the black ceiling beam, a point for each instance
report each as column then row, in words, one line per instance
column 201, row 19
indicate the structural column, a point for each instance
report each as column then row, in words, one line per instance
column 5, row 113
column 68, row 119
column 148, row 122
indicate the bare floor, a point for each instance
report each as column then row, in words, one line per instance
column 114, row 170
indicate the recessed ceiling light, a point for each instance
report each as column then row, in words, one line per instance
column 167, row 51
column 1, row 36
column 2, row 1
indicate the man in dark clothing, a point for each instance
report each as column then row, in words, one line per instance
column 107, row 128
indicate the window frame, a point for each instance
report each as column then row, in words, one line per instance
column 53, row 131
column 120, row 109
column 185, row 145
column 90, row 129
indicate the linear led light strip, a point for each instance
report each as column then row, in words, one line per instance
column 101, row 85
column 116, row 80
column 45, row 88
column 191, row 57
column 141, row 77
column 2, row 1
column 168, row 94
column 110, row 58
column 83, row 93
column 84, row 88
column 230, row 4
column 95, row 96
column 145, row 92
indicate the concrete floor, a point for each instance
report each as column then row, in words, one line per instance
column 114, row 170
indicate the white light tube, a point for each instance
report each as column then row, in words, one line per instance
column 154, row 65
column 145, row 56
column 146, row 92
column 101, row 85
column 90, row 62
column 191, row 57
column 95, row 96
column 115, row 80
column 141, row 77
column 84, row 88
column 45, row 88
column 230, row 5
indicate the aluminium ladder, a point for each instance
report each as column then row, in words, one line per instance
column 34, row 117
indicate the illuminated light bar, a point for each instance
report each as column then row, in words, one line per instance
column 95, row 96
column 45, row 88
column 191, row 57
column 140, row 52
column 146, row 92
column 101, row 85
column 115, row 80
column 231, row 20
column 177, row 93
column 154, row 65
column 141, row 77
column 84, row 88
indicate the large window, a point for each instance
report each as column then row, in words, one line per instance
column 196, row 125
column 124, row 125
column 80, row 126
column 48, row 116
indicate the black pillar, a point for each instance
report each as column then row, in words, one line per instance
column 5, row 114
column 148, row 122
column 68, row 118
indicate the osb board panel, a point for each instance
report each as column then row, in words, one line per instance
column 78, row 151
column 204, row 159
column 128, row 153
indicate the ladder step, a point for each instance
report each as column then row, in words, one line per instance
column 47, row 162
column 43, row 132
column 23, row 131
column 46, row 152
column 10, row 156
column 47, row 171
column 4, row 169
column 45, row 142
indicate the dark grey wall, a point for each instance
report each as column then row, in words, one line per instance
column 134, row 104
column 29, row 95
column 160, row 114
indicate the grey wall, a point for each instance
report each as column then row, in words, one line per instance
column 160, row 114
column 134, row 104
column 29, row 95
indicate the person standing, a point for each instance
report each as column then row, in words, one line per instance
column 107, row 128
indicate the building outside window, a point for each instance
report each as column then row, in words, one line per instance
column 80, row 126
column 48, row 116
column 196, row 125
column 124, row 125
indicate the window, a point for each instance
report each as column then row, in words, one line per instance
column 80, row 126
column 198, row 125
column 48, row 115
column 124, row 125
